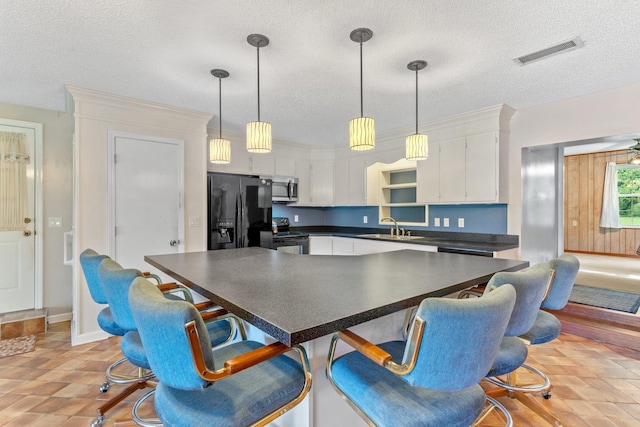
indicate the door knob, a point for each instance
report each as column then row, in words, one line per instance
column 27, row 233
column 174, row 242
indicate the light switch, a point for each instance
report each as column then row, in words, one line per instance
column 194, row 221
column 55, row 222
column 446, row 222
column 436, row 222
column 574, row 223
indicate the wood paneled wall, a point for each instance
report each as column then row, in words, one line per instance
column 583, row 187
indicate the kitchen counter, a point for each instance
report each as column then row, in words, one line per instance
column 448, row 241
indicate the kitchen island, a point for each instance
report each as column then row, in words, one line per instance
column 301, row 299
column 296, row 299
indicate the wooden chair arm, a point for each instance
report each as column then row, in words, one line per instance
column 210, row 315
column 371, row 351
column 205, row 305
column 164, row 287
column 255, row 357
column 236, row 364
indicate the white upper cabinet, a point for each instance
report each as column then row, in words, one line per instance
column 428, row 176
column 350, row 181
column 285, row 166
column 341, row 182
column 482, row 168
column 262, row 164
column 452, row 171
column 322, row 182
column 464, row 170
column 357, row 181
column 303, row 172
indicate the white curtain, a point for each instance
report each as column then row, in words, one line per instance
column 610, row 216
column 13, row 180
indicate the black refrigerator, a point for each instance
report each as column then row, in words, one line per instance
column 239, row 211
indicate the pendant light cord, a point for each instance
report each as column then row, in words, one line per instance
column 361, row 92
column 416, row 101
column 258, row 54
column 220, row 105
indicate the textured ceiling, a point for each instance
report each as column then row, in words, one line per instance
column 163, row 51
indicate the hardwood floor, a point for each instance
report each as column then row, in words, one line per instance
column 595, row 384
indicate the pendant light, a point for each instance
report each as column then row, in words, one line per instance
column 219, row 148
column 258, row 133
column 362, row 134
column 417, row 144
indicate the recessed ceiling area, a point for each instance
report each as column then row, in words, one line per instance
column 309, row 74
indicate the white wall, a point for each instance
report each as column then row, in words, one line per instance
column 95, row 114
column 607, row 113
column 56, row 193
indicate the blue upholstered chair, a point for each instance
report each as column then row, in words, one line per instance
column 531, row 287
column 89, row 261
column 547, row 327
column 432, row 378
column 116, row 283
column 241, row 384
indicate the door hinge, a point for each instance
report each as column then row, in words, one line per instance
column 115, row 231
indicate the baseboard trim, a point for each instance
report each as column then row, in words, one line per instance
column 57, row 318
column 89, row 337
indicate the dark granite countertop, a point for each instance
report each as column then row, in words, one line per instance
column 478, row 242
column 297, row 298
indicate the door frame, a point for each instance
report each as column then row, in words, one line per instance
column 111, row 179
column 38, row 296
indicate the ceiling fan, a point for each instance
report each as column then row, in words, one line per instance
column 635, row 151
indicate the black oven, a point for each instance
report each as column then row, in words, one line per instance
column 289, row 241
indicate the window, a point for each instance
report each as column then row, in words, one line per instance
column 629, row 195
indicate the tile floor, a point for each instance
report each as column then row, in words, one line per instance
column 596, row 385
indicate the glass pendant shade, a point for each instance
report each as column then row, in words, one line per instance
column 259, row 137
column 417, row 147
column 362, row 134
column 220, row 151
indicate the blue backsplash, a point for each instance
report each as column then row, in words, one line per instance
column 490, row 219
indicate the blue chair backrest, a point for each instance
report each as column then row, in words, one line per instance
column 461, row 339
column 89, row 261
column 566, row 269
column 116, row 281
column 161, row 324
column 531, row 286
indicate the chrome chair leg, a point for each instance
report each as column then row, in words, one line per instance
column 144, row 422
column 494, row 404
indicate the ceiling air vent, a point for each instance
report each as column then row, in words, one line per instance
column 549, row 51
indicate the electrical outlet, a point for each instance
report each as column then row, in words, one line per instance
column 574, row 223
column 445, row 221
column 194, row 221
column 461, row 222
column 365, row 219
column 436, row 222
column 295, row 218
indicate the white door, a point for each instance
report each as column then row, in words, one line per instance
column 20, row 144
column 146, row 197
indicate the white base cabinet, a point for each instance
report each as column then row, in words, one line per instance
column 320, row 245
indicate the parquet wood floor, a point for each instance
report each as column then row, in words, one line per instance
column 595, row 385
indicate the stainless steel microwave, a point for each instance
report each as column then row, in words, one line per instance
column 284, row 189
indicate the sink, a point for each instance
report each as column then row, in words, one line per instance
column 390, row 237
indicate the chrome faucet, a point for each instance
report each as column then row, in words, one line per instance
column 388, row 218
